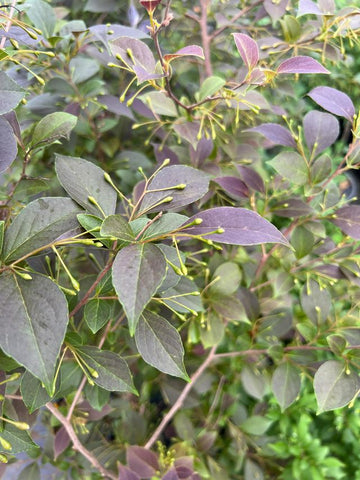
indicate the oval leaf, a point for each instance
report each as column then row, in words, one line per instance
column 301, row 64
column 248, row 49
column 116, row 226
column 38, row 224
column 291, row 166
column 286, row 383
column 159, row 103
column 334, row 101
column 189, row 50
column 334, row 387
column 320, row 130
column 196, row 185
column 275, row 133
column 33, row 321
column 53, row 127
column 159, row 344
column 8, row 145
column 11, row 94
column 348, row 219
column 242, row 227
column 315, row 302
column 82, row 179
column 210, row 86
column 137, row 273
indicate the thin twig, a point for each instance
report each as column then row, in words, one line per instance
column 8, row 23
column 206, row 39
column 179, row 402
column 78, row 446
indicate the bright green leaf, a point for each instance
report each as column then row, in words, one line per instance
column 116, row 226
column 228, row 276
column 52, row 127
column 286, row 383
column 210, row 86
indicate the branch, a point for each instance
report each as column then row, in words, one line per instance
column 179, row 402
column 78, row 446
column 205, row 38
column 9, row 22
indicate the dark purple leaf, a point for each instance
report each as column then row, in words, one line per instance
column 142, row 461
column 301, row 64
column 276, row 9
column 233, row 186
column 320, row 130
column 190, row 50
column 171, row 475
column 137, row 272
column 308, row 6
column 333, row 101
column 163, row 152
column 114, row 105
column 292, row 208
column 251, row 178
column 348, row 219
column 276, row 133
column 248, row 49
column 61, row 442
column 127, row 474
column 202, row 151
column 242, row 227
column 330, row 271
column 8, row 145
column 14, row 123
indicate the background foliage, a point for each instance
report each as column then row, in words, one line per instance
column 179, row 236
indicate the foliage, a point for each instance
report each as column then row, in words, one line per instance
column 179, row 257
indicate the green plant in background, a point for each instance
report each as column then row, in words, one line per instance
column 179, row 240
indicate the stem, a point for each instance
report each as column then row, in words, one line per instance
column 8, row 23
column 179, row 402
column 264, row 351
column 78, row 446
column 205, row 37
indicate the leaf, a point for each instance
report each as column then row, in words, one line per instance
column 302, row 240
column 33, row 321
column 20, row 441
column 116, row 226
column 196, row 185
column 213, row 331
column 256, row 425
column 113, row 374
column 167, row 223
column 308, row 7
column 252, row 471
column 183, row 297
column 315, row 302
column 334, row 101
column 142, row 461
column 61, row 442
column 275, row 9
column 242, row 227
column 82, row 179
column 137, row 273
column 275, row 133
column 171, row 255
column 97, row 313
column 188, row 131
column 127, row 474
column 160, row 103
column 159, row 344
column 33, row 393
column 52, row 127
column 251, row 178
column 292, row 208
column 82, row 68
column 334, row 386
column 30, row 472
column 321, row 130
column 42, row 16
column 210, row 86
column 286, row 383
column 38, row 224
column 8, row 145
column 226, row 279
column 233, row 186
column 291, row 166
column 348, row 219
column 11, row 94
column 301, row 64
column 189, row 50
column 248, row 49
column 320, row 170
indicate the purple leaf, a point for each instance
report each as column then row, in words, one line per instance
column 142, row 461
column 188, row 131
column 190, row 50
column 61, row 442
column 233, row 186
column 275, row 9
column 320, row 130
column 127, row 474
column 301, row 64
column 308, row 6
column 248, row 49
column 292, row 208
column 8, row 145
column 327, row 6
column 348, row 219
column 242, row 227
column 333, row 101
column 251, row 178
column 114, row 105
column 276, row 133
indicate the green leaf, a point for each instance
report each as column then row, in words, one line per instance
column 183, row 297
column 291, row 166
column 41, row 222
column 302, row 240
column 253, row 382
column 96, row 396
column 337, row 343
column 213, row 331
column 8, row 145
column 20, row 440
column 228, row 277
column 160, row 103
column 315, row 301
column 82, row 68
column 171, row 255
column 159, row 344
column 30, row 472
column 320, row 169
column 11, row 94
column 33, row 393
column 286, row 383
column 116, row 226
column 113, row 374
column 210, row 86
column 256, row 425
column 2, row 230
column 33, row 321
column 97, row 313
column 52, row 127
column 92, row 224
column 165, row 224
column 42, row 16
column 334, row 386
column 137, row 273
column 82, row 179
